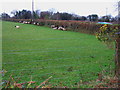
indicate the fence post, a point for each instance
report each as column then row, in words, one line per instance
column 117, row 60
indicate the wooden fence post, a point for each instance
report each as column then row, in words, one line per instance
column 117, row 60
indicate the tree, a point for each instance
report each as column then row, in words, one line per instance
column 93, row 17
column 45, row 15
column 14, row 12
column 38, row 13
column 89, row 17
column 109, row 34
column 4, row 16
column 52, row 11
column 56, row 16
column 65, row 16
column 83, row 18
column 107, row 18
column 24, row 14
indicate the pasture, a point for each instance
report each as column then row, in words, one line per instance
column 40, row 52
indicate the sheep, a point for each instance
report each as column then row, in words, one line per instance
column 52, row 26
column 17, row 26
column 20, row 21
column 37, row 23
column 55, row 28
column 28, row 22
column 61, row 28
column 24, row 22
column 34, row 23
column 64, row 29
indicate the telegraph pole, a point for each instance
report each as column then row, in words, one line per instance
column 106, row 11
column 32, row 10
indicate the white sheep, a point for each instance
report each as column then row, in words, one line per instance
column 17, row 26
column 24, row 22
column 20, row 21
column 64, row 29
column 28, row 22
column 55, row 28
column 60, row 28
column 34, row 23
column 37, row 23
column 52, row 26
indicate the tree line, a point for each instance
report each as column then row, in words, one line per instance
column 51, row 15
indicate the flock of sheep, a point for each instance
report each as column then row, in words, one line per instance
column 24, row 22
column 58, row 27
column 35, row 23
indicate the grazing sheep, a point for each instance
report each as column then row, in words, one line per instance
column 52, row 26
column 37, row 23
column 55, row 28
column 17, row 26
column 64, row 29
column 34, row 23
column 20, row 21
column 60, row 28
column 28, row 22
column 24, row 22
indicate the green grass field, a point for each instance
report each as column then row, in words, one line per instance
column 41, row 52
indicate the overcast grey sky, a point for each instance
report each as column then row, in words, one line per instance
column 80, row 7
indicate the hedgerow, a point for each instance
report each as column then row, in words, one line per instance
column 76, row 26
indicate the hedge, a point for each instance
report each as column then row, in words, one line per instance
column 76, row 26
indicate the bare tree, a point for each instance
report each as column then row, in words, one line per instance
column 14, row 12
column 52, row 11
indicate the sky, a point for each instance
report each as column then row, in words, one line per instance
column 79, row 7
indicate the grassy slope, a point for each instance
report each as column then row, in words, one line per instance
column 66, row 56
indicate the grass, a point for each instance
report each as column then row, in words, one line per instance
column 41, row 52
